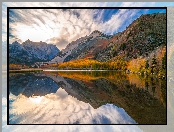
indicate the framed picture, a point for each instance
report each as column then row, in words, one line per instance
column 87, row 65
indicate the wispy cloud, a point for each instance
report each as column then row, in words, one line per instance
column 62, row 27
column 44, row 25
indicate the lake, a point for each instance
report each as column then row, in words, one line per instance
column 86, row 97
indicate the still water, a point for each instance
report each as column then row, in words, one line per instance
column 91, row 97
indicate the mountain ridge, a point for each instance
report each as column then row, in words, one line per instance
column 140, row 38
column 30, row 52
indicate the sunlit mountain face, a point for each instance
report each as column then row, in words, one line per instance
column 84, row 98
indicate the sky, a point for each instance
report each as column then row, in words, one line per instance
column 102, row 128
column 61, row 27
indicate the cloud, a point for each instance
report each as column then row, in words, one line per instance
column 137, row 4
column 64, row 25
column 41, row 25
column 50, row 25
column 59, row 42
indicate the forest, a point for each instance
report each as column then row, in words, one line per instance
column 143, row 66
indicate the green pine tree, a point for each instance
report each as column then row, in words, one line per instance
column 164, row 61
column 147, row 64
column 154, row 64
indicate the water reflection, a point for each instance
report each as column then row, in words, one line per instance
column 61, row 108
column 31, row 84
column 87, row 97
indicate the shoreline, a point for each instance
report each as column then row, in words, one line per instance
column 59, row 70
column 78, row 70
column 25, row 70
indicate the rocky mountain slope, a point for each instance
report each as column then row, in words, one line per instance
column 140, row 38
column 84, row 47
column 30, row 52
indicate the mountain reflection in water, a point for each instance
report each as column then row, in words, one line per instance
column 87, row 98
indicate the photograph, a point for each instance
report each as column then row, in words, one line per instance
column 87, row 65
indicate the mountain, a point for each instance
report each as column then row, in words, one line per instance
column 140, row 38
column 82, row 47
column 41, row 49
column 30, row 52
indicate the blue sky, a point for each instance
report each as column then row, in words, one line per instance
column 107, row 14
